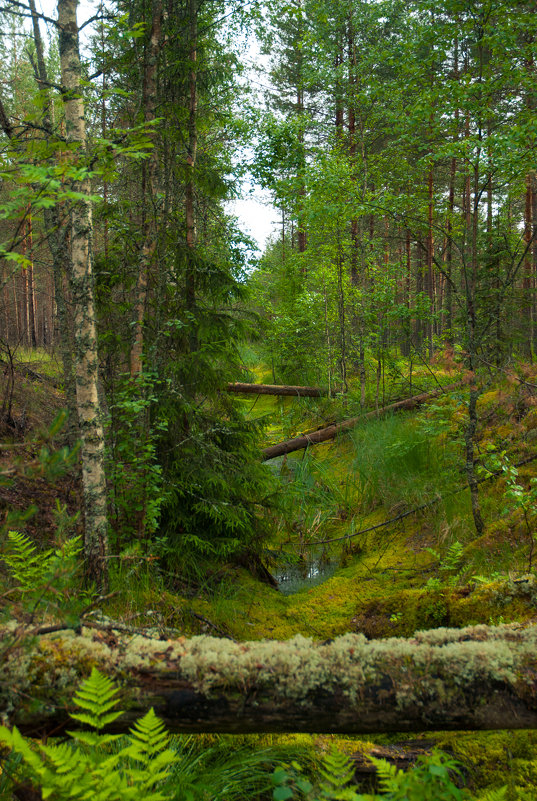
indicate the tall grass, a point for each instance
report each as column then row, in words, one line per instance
column 399, row 462
column 221, row 771
column 314, row 493
column 394, row 464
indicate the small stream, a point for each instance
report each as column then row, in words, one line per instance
column 309, row 572
column 312, row 568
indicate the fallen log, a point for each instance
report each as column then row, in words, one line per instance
column 276, row 389
column 445, row 679
column 331, row 431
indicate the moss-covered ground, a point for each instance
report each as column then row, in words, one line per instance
column 386, row 505
column 424, row 569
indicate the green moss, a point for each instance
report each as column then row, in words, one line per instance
column 494, row 759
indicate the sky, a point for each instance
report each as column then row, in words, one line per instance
column 256, row 216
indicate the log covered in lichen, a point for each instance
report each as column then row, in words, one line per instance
column 474, row 678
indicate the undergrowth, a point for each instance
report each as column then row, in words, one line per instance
column 148, row 766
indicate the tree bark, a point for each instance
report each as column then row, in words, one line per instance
column 190, row 168
column 58, row 238
column 331, row 431
column 446, row 679
column 276, row 389
column 86, row 357
column 30, row 297
column 149, row 241
column 527, row 281
column 430, row 257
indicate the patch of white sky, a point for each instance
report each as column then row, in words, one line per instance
column 254, row 212
column 253, row 209
column 85, row 11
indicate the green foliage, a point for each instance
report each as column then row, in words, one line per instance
column 395, row 462
column 145, row 765
column 214, row 490
column 222, row 768
column 429, row 780
column 97, row 696
column 27, row 566
column 336, row 774
column 40, row 574
column 516, row 497
column 186, row 483
column 96, row 765
column 313, row 493
column 495, row 795
column 135, row 476
column 449, row 564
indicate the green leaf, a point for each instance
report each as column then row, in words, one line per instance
column 282, row 793
column 279, row 776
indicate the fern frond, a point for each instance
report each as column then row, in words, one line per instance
column 496, row 795
column 27, row 566
column 70, row 549
column 388, row 774
column 97, row 695
column 149, row 734
column 337, row 773
column 149, row 747
column 62, row 756
column 92, row 770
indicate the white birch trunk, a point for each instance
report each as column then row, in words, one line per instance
column 86, row 357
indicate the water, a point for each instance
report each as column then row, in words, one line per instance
column 305, row 574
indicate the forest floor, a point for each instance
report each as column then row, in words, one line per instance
column 374, row 528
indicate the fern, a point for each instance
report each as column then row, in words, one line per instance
column 97, row 696
column 149, row 748
column 428, row 780
column 27, row 566
column 495, row 795
column 337, row 773
column 34, row 570
column 94, row 767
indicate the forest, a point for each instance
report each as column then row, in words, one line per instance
column 268, row 504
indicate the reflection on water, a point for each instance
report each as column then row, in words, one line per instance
column 306, row 573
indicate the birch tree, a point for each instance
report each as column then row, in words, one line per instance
column 82, row 286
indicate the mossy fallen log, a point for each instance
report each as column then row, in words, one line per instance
column 277, row 389
column 445, row 679
column 331, row 431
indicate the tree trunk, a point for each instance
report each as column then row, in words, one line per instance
column 57, row 234
column 406, row 348
column 276, row 389
column 341, row 317
column 191, row 157
column 451, row 210
column 148, row 196
column 31, row 286
column 430, row 255
column 85, row 332
column 527, row 282
column 331, row 431
column 533, row 176
column 446, row 679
